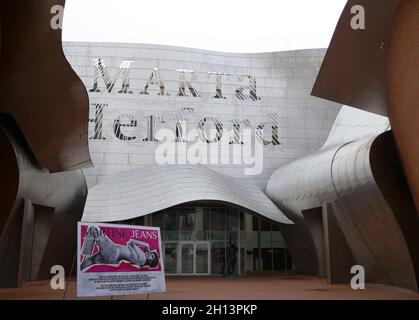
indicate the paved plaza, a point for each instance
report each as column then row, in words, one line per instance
column 260, row 287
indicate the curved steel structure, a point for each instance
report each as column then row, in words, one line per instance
column 138, row 192
column 43, row 129
column 356, row 180
column 354, row 69
column 34, row 235
column 39, row 88
column 306, row 183
column 360, row 176
column 376, row 70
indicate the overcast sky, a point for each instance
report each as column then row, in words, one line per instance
column 220, row 25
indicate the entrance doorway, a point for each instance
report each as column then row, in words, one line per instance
column 187, row 258
column 193, row 235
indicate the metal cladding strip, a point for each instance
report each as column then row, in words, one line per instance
column 38, row 87
column 150, row 189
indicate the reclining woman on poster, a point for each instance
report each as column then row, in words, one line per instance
column 110, row 253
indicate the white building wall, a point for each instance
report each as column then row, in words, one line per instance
column 284, row 81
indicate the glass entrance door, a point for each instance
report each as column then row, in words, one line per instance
column 202, row 258
column 194, row 258
column 187, row 258
column 170, row 258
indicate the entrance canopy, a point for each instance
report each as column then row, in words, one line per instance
column 146, row 190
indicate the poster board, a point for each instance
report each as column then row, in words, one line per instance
column 115, row 259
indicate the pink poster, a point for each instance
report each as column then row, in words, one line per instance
column 119, row 260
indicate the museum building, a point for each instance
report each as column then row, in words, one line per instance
column 297, row 161
column 215, row 217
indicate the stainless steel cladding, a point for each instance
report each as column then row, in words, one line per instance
column 361, row 177
column 140, row 192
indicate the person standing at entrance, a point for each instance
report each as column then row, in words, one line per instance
column 231, row 257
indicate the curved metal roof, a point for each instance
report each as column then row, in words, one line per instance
column 146, row 190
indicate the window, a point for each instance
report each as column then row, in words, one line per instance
column 218, row 224
column 171, row 225
column 187, row 223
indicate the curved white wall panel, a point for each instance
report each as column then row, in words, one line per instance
column 140, row 192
